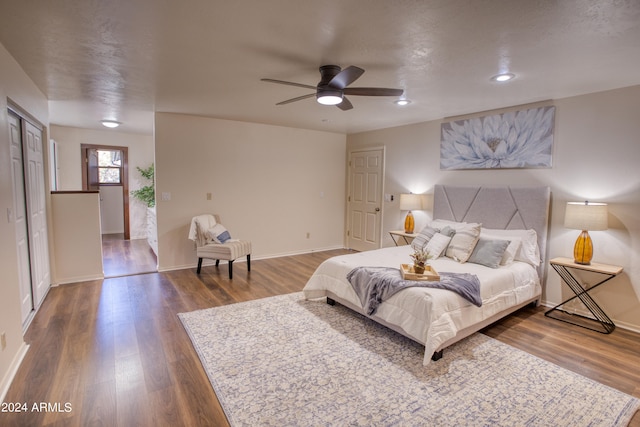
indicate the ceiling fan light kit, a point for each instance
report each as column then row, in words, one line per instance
column 332, row 88
column 329, row 96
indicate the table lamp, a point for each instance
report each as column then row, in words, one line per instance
column 410, row 202
column 585, row 216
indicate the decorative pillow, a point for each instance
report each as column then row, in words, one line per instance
column 488, row 252
column 448, row 231
column 523, row 246
column 421, row 240
column 437, row 245
column 439, row 224
column 218, row 234
column 463, row 242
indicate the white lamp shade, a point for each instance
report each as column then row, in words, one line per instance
column 410, row 202
column 586, row 216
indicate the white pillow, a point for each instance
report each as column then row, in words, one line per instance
column 439, row 224
column 216, row 232
column 437, row 245
column 523, row 246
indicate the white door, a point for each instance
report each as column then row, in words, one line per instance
column 364, row 215
column 37, row 214
column 20, row 218
column 27, row 168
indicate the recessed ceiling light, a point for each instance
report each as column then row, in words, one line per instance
column 504, row 77
column 402, row 102
column 110, row 123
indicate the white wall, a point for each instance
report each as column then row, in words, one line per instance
column 270, row 184
column 111, row 209
column 596, row 154
column 77, row 242
column 14, row 85
column 140, row 149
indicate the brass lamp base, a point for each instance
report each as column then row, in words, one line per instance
column 409, row 223
column 583, row 249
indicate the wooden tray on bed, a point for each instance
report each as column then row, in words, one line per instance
column 430, row 274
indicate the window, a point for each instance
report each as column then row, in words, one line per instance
column 110, row 167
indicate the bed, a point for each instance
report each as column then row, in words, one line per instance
column 438, row 318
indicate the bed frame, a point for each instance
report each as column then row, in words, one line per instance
column 507, row 208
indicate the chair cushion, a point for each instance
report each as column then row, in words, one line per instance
column 229, row 251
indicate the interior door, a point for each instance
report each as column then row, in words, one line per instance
column 36, row 211
column 364, row 214
column 20, row 218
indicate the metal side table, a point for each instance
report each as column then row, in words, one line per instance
column 564, row 267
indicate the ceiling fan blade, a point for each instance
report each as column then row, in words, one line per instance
column 345, row 104
column 372, row 91
column 282, row 82
column 345, row 77
column 299, row 98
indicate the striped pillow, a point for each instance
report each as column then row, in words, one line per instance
column 421, row 240
column 463, row 242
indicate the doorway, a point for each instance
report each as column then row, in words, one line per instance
column 105, row 169
column 364, row 201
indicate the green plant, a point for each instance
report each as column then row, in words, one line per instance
column 146, row 194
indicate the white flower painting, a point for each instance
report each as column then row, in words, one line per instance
column 519, row 139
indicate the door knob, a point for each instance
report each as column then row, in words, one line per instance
column 377, row 209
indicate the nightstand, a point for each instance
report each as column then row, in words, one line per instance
column 565, row 268
column 396, row 235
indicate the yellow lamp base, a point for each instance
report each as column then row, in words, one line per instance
column 583, row 249
column 409, row 223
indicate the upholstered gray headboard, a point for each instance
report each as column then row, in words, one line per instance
column 508, row 208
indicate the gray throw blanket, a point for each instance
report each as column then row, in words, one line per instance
column 376, row 284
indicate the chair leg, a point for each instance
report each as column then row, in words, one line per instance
column 199, row 264
column 249, row 262
column 217, row 262
column 230, row 270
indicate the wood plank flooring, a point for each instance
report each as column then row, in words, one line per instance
column 116, row 354
column 125, row 257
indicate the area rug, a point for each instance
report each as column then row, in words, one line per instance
column 284, row 361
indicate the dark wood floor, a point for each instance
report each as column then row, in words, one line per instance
column 126, row 257
column 116, row 353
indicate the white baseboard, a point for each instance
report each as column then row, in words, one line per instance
column 68, row 280
column 206, row 262
column 13, row 369
column 583, row 312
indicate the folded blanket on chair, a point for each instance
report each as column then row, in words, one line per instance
column 376, row 284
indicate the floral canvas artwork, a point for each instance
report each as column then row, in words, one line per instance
column 518, row 139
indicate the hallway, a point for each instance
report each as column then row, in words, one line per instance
column 126, row 257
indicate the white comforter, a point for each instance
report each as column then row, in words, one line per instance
column 429, row 316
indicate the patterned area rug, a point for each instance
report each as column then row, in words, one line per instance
column 284, row 361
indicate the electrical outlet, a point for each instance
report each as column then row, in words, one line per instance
column 308, row 235
column 208, row 196
column 3, row 341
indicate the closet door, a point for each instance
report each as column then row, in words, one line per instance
column 37, row 213
column 27, row 167
column 20, row 216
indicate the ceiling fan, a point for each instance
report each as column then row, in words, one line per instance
column 332, row 88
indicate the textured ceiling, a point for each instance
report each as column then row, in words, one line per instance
column 125, row 59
